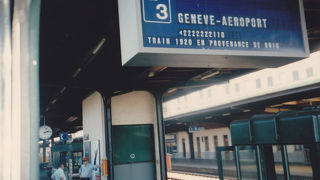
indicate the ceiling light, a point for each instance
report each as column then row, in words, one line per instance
column 151, row 74
column 172, row 90
column 98, row 47
column 276, row 105
column 162, row 69
column 246, row 110
column 76, row 73
column 226, row 114
column 54, row 101
column 210, row 75
column 291, row 103
column 63, row 89
column 72, row 118
column 208, row 117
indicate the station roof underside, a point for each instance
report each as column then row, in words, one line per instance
column 69, row 71
column 288, row 100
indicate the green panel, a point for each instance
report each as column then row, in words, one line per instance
column 265, row 132
column 299, row 127
column 132, row 139
column 297, row 130
column 240, row 132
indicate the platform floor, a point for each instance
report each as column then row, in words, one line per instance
column 205, row 166
column 183, row 176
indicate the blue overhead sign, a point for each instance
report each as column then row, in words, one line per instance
column 212, row 33
column 250, row 25
column 64, row 136
column 195, row 129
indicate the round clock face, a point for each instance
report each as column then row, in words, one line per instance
column 45, row 132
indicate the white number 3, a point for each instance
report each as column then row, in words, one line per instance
column 163, row 11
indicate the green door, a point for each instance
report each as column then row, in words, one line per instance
column 133, row 152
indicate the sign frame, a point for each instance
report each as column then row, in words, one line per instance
column 133, row 53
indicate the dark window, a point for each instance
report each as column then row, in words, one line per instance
column 237, row 88
column 295, row 75
column 209, row 92
column 184, row 147
column 226, row 143
column 225, row 140
column 298, row 147
column 309, row 72
column 198, row 147
column 227, row 90
column 270, row 81
column 206, row 143
column 258, row 83
column 215, row 141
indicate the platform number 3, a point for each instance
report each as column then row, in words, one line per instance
column 163, row 14
column 156, row 11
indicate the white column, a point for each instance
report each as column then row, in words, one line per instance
column 19, row 90
column 93, row 122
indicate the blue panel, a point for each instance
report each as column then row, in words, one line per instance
column 250, row 25
column 64, row 136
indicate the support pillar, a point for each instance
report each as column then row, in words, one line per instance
column 161, row 135
column 93, row 114
column 268, row 162
column 130, row 129
column 19, row 89
column 285, row 162
column 315, row 160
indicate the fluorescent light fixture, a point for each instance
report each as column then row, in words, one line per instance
column 151, row 74
column 246, row 110
column 226, row 114
column 76, row 73
column 116, row 92
column 72, row 118
column 63, row 89
column 53, row 101
column 162, row 69
column 276, row 105
column 172, row 90
column 208, row 117
column 98, row 47
column 210, row 75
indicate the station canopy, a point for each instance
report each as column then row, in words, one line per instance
column 80, row 53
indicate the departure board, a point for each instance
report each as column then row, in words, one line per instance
column 212, row 33
column 255, row 25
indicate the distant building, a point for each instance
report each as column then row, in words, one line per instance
column 206, row 141
column 266, row 81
